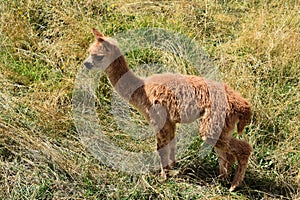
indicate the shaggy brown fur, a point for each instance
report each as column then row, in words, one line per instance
column 168, row 99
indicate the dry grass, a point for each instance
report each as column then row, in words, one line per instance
column 256, row 44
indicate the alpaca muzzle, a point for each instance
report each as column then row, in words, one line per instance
column 88, row 63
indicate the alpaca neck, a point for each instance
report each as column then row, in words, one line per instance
column 123, row 79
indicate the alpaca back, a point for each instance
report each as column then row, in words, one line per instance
column 184, row 97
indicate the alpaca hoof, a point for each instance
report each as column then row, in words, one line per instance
column 173, row 172
column 223, row 176
column 232, row 188
column 172, row 165
column 163, row 175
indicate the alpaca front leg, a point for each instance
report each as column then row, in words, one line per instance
column 164, row 151
column 166, row 146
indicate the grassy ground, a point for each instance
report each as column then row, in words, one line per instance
column 256, row 45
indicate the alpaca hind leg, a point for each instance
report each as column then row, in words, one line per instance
column 163, row 151
column 225, row 156
column 172, row 151
column 222, row 162
column 226, row 161
column 242, row 150
column 231, row 159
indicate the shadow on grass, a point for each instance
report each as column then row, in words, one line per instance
column 255, row 186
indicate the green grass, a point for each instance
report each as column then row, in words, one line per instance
column 255, row 44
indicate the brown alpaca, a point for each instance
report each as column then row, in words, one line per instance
column 168, row 99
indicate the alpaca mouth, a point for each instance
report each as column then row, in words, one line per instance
column 88, row 63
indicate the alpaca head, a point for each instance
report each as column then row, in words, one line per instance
column 244, row 119
column 102, row 52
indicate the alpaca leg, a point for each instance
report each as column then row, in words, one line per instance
column 172, row 151
column 226, row 158
column 165, row 145
column 222, row 162
column 242, row 151
column 231, row 159
column 226, row 161
column 163, row 151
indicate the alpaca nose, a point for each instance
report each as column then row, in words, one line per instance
column 88, row 62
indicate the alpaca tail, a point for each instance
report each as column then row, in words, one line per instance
column 245, row 116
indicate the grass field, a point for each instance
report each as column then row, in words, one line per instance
column 254, row 43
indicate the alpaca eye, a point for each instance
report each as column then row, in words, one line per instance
column 97, row 58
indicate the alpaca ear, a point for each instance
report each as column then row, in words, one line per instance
column 98, row 35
